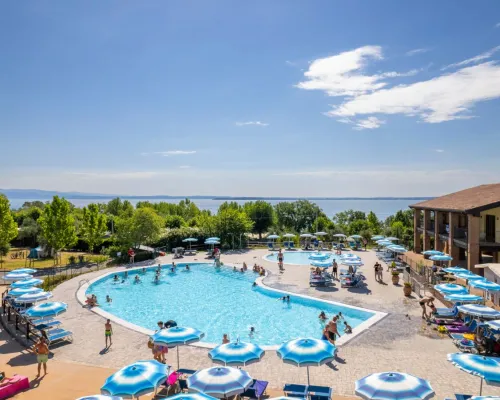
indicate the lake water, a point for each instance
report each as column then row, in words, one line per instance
column 382, row 208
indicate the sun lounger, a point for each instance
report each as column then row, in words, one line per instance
column 467, row 345
column 48, row 324
column 57, row 334
column 270, row 246
column 318, row 279
column 186, row 371
column 256, row 390
column 293, row 390
column 319, row 392
column 463, row 328
column 292, row 245
column 463, row 396
column 17, row 384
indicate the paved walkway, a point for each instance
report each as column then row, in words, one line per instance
column 400, row 342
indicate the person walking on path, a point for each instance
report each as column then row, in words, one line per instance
column 41, row 349
column 335, row 269
column 108, row 332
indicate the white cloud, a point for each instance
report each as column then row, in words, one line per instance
column 368, row 123
column 175, row 152
column 474, row 60
column 439, row 150
column 416, row 51
column 341, row 75
column 444, row 98
column 257, row 123
column 394, row 74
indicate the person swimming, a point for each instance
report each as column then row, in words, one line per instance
column 322, row 316
column 144, row 270
column 126, row 274
column 137, row 279
column 242, row 270
column 115, row 278
column 108, row 299
column 187, row 268
column 234, row 269
column 347, row 327
column 157, row 278
column 252, row 331
column 254, row 284
column 245, row 267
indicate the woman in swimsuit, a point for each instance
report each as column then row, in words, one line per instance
column 426, row 300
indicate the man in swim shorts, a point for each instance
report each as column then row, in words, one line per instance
column 108, row 332
column 41, row 349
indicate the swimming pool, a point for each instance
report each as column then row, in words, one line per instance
column 218, row 301
column 298, row 257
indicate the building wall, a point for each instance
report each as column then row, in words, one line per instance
column 496, row 213
column 491, row 276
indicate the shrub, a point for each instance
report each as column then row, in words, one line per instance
column 407, row 284
column 72, row 260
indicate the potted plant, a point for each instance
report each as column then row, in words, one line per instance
column 395, row 277
column 407, row 289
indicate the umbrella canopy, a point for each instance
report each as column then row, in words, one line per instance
column 319, row 256
column 46, row 310
column 340, row 235
column 137, row 379
column 392, row 238
column 26, row 283
column 356, row 236
column 450, row 288
column 307, row 352
column 485, row 285
column 23, row 271
column 470, row 277
column 495, row 325
column 355, row 263
column 177, row 336
column 190, row 239
column 239, row 353
column 485, row 398
column 306, row 235
column 288, row 235
column 463, row 298
column 394, row 386
column 439, row 257
column 214, row 238
column 433, row 253
column 488, row 368
column 321, row 233
column 99, row 397
column 273, row 237
column 192, row 396
column 321, row 264
column 385, row 243
column 34, row 297
column 24, row 290
column 220, row 381
column 456, row 270
column 397, row 249
column 16, row 276
column 478, row 310
column 350, row 255
column 377, row 237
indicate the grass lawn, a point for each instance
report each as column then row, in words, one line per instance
column 10, row 263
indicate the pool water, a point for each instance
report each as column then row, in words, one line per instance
column 298, row 257
column 217, row 301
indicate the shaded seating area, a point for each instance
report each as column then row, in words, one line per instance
column 311, row 392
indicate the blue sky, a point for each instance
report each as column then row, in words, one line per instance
column 265, row 98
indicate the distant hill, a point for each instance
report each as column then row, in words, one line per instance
column 36, row 194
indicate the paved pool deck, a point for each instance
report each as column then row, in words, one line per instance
column 399, row 342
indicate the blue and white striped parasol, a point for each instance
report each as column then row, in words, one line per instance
column 319, row 256
column 34, row 297
column 16, row 276
column 100, row 397
column 377, row 237
column 485, row 285
column 478, row 310
column 384, row 242
column 236, row 354
column 46, row 310
column 24, row 290
column 495, row 325
column 321, row 264
column 441, row 257
column 26, row 283
column 463, row 298
column 137, row 379
column 469, row 277
column 433, row 253
column 213, row 239
column 450, row 288
column 488, row 368
column 321, row 233
column 192, row 396
column 456, row 270
column 273, row 237
column 485, row 398
column 350, row 256
column 307, row 352
column 397, row 249
column 190, row 239
column 392, row 238
column 220, row 381
column 354, row 263
column 23, row 271
column 393, row 386
column 177, row 336
column 356, row 236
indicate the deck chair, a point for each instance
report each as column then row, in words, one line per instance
column 57, row 334
column 293, row 390
column 270, row 246
column 319, row 392
column 256, row 390
column 48, row 324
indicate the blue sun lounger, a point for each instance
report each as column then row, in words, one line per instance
column 47, row 324
column 293, row 390
column 57, row 334
column 319, row 392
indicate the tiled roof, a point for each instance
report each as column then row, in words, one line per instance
column 468, row 200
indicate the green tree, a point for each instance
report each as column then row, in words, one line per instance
column 206, row 223
column 375, row 225
column 174, row 221
column 285, row 215
column 93, row 227
column 230, row 205
column 230, row 224
column 30, row 229
column 323, row 224
column 262, row 215
column 37, row 204
column 8, row 227
column 357, row 226
column 58, row 225
column 117, row 207
column 146, row 226
column 345, row 218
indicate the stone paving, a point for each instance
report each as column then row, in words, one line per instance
column 400, row 342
